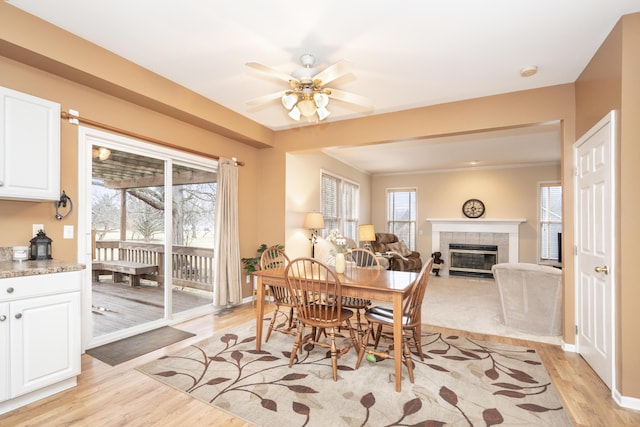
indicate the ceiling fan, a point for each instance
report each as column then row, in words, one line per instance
column 308, row 96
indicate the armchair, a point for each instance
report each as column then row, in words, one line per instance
column 531, row 297
column 401, row 258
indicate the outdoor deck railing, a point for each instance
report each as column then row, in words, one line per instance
column 191, row 267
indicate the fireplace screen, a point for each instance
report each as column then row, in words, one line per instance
column 472, row 260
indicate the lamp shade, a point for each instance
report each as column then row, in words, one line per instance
column 366, row 233
column 323, row 113
column 307, row 107
column 289, row 101
column 314, row 221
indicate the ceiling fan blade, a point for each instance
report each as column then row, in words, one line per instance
column 271, row 71
column 349, row 97
column 266, row 98
column 332, row 72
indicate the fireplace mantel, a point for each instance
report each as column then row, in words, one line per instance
column 465, row 225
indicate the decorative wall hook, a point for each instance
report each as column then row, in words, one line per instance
column 64, row 199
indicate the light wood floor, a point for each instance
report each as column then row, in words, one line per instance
column 122, row 396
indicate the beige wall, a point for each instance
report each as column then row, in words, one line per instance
column 303, row 194
column 506, row 193
column 40, row 59
column 612, row 81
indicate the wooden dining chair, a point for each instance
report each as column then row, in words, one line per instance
column 273, row 258
column 317, row 292
column 357, row 259
column 381, row 317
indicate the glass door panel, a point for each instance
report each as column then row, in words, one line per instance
column 127, row 223
column 193, row 195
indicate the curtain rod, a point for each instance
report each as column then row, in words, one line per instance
column 76, row 119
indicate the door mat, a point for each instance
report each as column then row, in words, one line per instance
column 129, row 348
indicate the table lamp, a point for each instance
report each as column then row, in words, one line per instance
column 313, row 221
column 367, row 234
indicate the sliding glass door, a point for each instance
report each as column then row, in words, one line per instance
column 151, row 256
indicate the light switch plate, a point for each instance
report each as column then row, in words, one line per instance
column 35, row 228
column 68, row 232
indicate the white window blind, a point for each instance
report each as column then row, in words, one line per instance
column 401, row 215
column 340, row 205
column 550, row 226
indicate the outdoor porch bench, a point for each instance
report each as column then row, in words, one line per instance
column 119, row 268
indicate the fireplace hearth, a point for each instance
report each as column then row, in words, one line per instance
column 472, row 259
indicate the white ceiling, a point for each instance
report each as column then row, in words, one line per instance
column 404, row 54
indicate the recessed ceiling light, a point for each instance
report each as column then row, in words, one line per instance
column 473, row 162
column 528, row 71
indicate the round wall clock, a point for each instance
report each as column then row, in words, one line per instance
column 473, row 208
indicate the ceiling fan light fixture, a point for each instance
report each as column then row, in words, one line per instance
column 295, row 113
column 289, row 101
column 323, row 113
column 307, row 107
column 321, row 99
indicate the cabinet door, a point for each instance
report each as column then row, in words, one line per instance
column 4, row 351
column 29, row 147
column 45, row 341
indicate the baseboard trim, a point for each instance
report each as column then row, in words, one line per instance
column 626, row 402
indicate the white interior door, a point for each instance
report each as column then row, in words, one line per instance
column 595, row 293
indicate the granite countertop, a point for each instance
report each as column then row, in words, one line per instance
column 10, row 268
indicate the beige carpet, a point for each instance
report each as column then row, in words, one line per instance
column 470, row 304
column 461, row 382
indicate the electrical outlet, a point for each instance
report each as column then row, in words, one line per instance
column 35, row 228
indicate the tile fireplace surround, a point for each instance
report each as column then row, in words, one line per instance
column 501, row 232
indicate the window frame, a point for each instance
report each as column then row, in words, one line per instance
column 347, row 205
column 412, row 222
column 547, row 222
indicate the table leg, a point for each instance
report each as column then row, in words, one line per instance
column 259, row 311
column 397, row 338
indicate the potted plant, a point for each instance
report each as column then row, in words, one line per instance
column 250, row 265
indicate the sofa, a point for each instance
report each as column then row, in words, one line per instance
column 531, row 297
column 400, row 257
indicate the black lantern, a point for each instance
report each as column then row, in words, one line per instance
column 40, row 246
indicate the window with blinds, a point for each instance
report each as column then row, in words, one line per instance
column 340, row 205
column 550, row 221
column 401, row 215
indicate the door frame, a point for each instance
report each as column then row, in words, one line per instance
column 84, row 249
column 612, row 119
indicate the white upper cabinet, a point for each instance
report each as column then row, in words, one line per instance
column 29, row 147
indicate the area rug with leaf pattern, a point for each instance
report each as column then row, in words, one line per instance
column 461, row 382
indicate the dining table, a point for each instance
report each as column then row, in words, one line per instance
column 379, row 285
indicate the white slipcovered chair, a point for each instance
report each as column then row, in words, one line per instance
column 531, row 297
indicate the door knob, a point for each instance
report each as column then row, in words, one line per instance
column 604, row 270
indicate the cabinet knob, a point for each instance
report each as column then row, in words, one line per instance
column 3, row 317
column 9, row 290
column 1, row 183
column 18, row 315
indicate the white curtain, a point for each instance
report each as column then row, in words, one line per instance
column 227, row 286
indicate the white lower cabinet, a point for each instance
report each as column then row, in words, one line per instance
column 40, row 333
